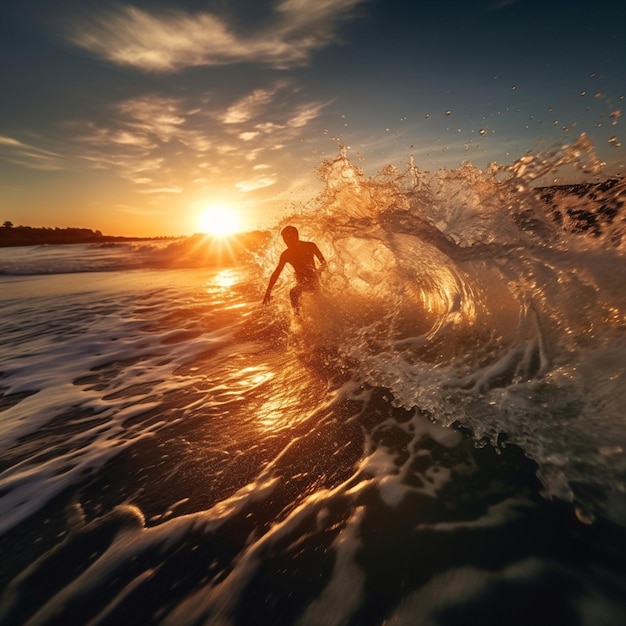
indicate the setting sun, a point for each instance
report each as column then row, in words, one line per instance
column 219, row 220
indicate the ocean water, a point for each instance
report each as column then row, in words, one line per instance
column 439, row 440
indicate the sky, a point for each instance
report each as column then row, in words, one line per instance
column 137, row 117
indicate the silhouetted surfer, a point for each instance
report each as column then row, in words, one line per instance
column 301, row 255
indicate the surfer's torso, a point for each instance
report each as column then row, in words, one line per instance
column 301, row 256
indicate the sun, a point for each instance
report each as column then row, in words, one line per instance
column 219, row 220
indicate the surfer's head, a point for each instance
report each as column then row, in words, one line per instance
column 290, row 235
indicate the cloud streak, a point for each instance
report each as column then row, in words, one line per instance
column 168, row 41
column 26, row 155
column 256, row 182
column 249, row 106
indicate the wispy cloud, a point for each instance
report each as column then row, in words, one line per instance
column 249, row 106
column 256, row 182
column 270, row 111
column 249, row 135
column 170, row 40
column 305, row 114
column 26, row 155
column 153, row 116
column 145, row 124
column 9, row 141
column 138, row 142
column 166, row 145
column 160, row 190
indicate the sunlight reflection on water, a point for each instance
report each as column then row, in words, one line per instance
column 224, row 279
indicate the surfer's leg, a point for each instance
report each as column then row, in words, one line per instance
column 294, row 296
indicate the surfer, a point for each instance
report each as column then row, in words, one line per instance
column 301, row 255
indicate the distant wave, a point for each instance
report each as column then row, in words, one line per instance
column 193, row 251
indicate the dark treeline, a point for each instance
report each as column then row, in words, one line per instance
column 193, row 249
column 28, row 236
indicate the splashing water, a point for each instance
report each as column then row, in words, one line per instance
column 488, row 301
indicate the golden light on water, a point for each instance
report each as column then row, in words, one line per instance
column 226, row 278
column 285, row 399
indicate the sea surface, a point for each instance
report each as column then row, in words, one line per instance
column 438, row 440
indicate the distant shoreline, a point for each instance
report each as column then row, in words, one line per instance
column 13, row 236
column 236, row 247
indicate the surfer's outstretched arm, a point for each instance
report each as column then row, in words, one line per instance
column 273, row 279
column 320, row 256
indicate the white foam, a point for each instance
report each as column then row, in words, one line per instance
column 344, row 593
column 127, row 363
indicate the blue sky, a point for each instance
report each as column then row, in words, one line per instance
column 132, row 118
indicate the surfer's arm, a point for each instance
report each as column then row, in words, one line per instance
column 320, row 256
column 273, row 279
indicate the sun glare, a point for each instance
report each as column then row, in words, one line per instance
column 219, row 220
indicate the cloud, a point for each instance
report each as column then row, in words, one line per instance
column 142, row 139
column 305, row 114
column 181, row 145
column 156, row 116
column 257, row 182
column 170, row 40
column 27, row 155
column 249, row 135
column 246, row 108
column 9, row 141
column 270, row 112
column 160, row 190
